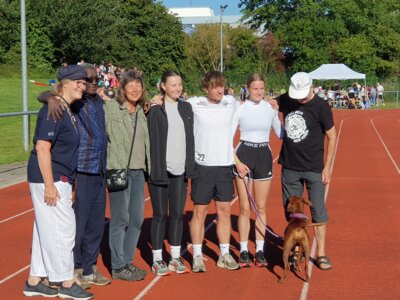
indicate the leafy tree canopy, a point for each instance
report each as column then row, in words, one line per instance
column 365, row 34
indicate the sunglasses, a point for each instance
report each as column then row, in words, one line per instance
column 92, row 79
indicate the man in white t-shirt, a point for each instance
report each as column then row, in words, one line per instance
column 380, row 89
column 214, row 158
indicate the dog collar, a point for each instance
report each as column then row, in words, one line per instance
column 298, row 216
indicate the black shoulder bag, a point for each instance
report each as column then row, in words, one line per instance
column 117, row 179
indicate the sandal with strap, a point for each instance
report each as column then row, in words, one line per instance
column 293, row 258
column 324, row 260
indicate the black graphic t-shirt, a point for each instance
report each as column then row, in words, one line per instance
column 305, row 127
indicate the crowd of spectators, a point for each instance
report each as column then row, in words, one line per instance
column 355, row 96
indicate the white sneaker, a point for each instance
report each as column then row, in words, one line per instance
column 198, row 264
column 227, row 262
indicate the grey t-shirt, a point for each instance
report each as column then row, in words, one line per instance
column 176, row 142
column 138, row 157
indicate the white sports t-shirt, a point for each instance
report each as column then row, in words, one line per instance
column 213, row 139
column 255, row 120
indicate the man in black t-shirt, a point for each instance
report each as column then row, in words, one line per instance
column 308, row 119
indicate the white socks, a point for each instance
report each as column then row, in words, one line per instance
column 259, row 245
column 175, row 251
column 157, row 255
column 224, row 249
column 197, row 250
column 244, row 246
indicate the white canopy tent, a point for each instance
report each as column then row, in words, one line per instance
column 335, row 71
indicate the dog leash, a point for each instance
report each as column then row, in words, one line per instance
column 254, row 205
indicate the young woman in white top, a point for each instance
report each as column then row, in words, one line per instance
column 255, row 119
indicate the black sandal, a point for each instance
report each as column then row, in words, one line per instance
column 324, row 260
column 294, row 256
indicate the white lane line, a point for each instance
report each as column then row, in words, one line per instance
column 384, row 145
column 29, row 210
column 304, row 290
column 26, row 267
column 16, row 216
column 14, row 274
column 156, row 279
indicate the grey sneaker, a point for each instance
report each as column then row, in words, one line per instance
column 160, row 268
column 39, row 290
column 227, row 262
column 177, row 265
column 80, row 280
column 74, row 292
column 198, row 264
column 126, row 274
column 135, row 270
column 96, row 277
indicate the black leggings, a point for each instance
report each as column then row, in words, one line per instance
column 162, row 196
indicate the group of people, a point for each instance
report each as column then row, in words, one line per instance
column 79, row 137
column 356, row 96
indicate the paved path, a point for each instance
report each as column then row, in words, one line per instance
column 12, row 174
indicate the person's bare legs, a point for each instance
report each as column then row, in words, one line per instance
column 34, row 280
column 223, row 222
column 261, row 193
column 245, row 211
column 197, row 223
column 320, row 235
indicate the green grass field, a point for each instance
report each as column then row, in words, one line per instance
column 11, row 134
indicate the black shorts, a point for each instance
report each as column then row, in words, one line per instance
column 258, row 157
column 211, row 182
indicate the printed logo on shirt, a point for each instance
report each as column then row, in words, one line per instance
column 224, row 102
column 296, row 127
column 202, row 103
column 50, row 133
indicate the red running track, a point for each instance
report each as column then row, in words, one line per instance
column 363, row 240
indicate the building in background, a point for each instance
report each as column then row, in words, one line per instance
column 192, row 16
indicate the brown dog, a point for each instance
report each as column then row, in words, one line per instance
column 296, row 235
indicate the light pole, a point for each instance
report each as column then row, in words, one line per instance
column 222, row 8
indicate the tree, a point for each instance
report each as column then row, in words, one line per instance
column 241, row 52
column 203, row 46
column 364, row 33
column 132, row 33
column 152, row 39
column 9, row 28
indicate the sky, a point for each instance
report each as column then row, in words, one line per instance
column 232, row 8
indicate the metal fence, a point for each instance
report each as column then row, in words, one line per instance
column 26, row 131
